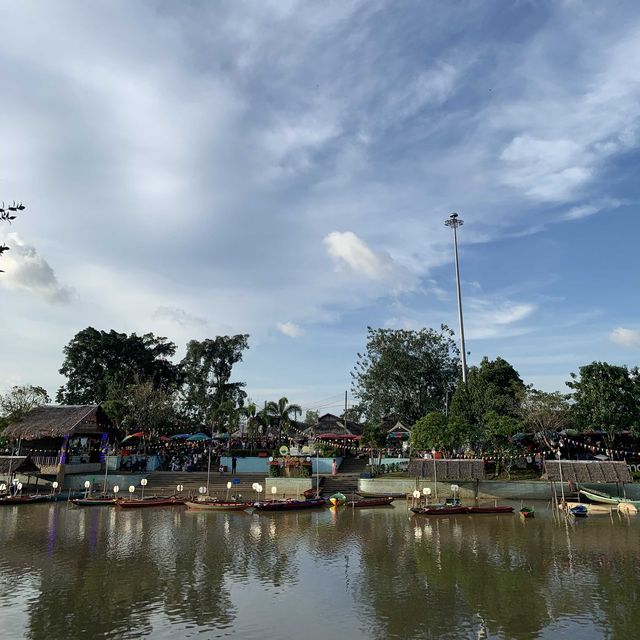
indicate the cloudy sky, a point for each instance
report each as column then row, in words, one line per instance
column 284, row 169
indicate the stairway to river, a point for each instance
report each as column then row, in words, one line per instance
column 165, row 482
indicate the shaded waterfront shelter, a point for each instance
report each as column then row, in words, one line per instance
column 447, row 470
column 55, row 433
column 11, row 465
column 587, row 471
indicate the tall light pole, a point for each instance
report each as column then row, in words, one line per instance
column 454, row 222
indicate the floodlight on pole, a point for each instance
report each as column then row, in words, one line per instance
column 454, row 222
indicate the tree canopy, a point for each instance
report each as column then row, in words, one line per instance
column 94, row 360
column 206, row 370
column 437, row 431
column 407, row 373
column 606, row 397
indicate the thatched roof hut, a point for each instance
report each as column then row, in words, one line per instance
column 447, row 469
column 58, row 421
column 587, row 471
column 18, row 464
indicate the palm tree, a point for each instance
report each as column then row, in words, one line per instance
column 281, row 413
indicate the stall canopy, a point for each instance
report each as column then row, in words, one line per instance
column 18, row 464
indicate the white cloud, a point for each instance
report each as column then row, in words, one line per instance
column 625, row 337
column 179, row 316
column 351, row 251
column 290, row 329
column 27, row 270
column 486, row 318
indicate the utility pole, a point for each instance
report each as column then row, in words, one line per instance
column 454, row 222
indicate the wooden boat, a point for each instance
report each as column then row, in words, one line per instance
column 16, row 500
column 437, row 510
column 150, row 502
column 217, row 505
column 527, row 512
column 592, row 509
column 290, row 505
column 370, row 502
column 600, row 497
column 489, row 509
column 94, row 502
column 338, row 499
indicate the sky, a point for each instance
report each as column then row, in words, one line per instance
column 284, row 169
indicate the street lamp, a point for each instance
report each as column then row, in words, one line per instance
column 454, row 222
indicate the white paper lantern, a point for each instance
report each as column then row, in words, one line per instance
column 132, row 489
column 143, row 482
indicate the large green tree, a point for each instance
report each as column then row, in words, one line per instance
column 15, row 404
column 494, row 387
column 606, row 397
column 437, row 431
column 95, row 360
column 206, row 370
column 405, row 372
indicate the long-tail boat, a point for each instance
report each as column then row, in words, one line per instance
column 151, row 502
column 94, row 502
column 439, row 510
column 290, row 505
column 16, row 500
column 217, row 505
column 489, row 509
column 370, row 502
column 600, row 497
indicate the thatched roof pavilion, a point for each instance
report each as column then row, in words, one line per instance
column 447, row 469
column 59, row 421
column 588, row 471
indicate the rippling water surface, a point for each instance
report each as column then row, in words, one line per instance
column 169, row 573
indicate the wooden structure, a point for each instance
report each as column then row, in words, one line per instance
column 587, row 471
column 12, row 465
column 447, row 470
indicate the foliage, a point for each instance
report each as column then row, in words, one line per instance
column 8, row 214
column 281, row 413
column 149, row 409
column 206, row 370
column 437, row 431
column 354, row 413
column 545, row 413
column 95, row 360
column 405, row 372
column 492, row 388
column 15, row 404
column 606, row 397
column 311, row 418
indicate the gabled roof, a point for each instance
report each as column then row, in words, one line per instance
column 55, row 421
column 330, row 423
column 18, row 464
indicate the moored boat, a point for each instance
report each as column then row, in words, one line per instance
column 439, row 510
column 489, row 509
column 600, row 497
column 217, row 505
column 94, row 502
column 370, row 502
column 16, row 500
column 579, row 511
column 150, row 502
column 290, row 505
column 527, row 512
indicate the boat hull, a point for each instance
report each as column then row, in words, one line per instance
column 439, row 511
column 370, row 502
column 601, row 498
column 94, row 502
column 150, row 502
column 217, row 506
column 496, row 509
column 290, row 505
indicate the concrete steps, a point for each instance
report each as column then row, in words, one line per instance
column 165, row 482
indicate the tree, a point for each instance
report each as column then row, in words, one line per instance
column 606, row 397
column 94, row 360
column 374, row 436
column 311, row 418
column 281, row 412
column 545, row 413
column 493, row 387
column 206, row 370
column 437, row 431
column 22, row 399
column 149, row 408
column 406, row 373
column 8, row 214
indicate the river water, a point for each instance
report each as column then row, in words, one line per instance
column 68, row 573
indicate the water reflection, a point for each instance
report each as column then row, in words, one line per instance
column 84, row 573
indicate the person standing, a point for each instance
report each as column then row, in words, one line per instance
column 234, row 464
column 334, row 467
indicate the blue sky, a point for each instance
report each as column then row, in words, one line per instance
column 284, row 169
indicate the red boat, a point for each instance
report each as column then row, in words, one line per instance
column 150, row 502
column 289, row 505
column 436, row 510
column 489, row 509
column 14, row 500
column 369, row 502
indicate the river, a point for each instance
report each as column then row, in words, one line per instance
column 70, row 573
